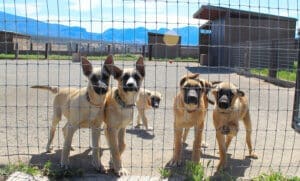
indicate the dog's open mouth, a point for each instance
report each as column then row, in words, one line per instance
column 130, row 89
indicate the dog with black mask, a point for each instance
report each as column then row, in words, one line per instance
column 190, row 107
column 231, row 105
column 83, row 108
column 147, row 99
column 119, row 110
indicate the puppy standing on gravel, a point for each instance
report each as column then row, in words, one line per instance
column 83, row 108
column 146, row 100
column 119, row 110
column 190, row 107
column 231, row 106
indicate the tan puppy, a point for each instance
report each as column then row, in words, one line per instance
column 190, row 107
column 231, row 106
column 119, row 110
column 83, row 108
column 146, row 100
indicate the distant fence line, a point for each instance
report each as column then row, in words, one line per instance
column 89, row 48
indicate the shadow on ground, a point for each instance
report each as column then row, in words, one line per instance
column 236, row 167
column 141, row 133
column 210, row 70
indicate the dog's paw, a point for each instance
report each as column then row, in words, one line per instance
column 253, row 155
column 121, row 172
column 174, row 163
column 49, row 148
column 72, row 148
column 204, row 144
column 98, row 166
column 149, row 128
column 138, row 126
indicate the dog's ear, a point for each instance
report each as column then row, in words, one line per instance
column 86, row 66
column 188, row 76
column 240, row 93
column 116, row 72
column 140, row 67
column 109, row 64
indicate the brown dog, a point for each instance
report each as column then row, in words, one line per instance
column 119, row 110
column 231, row 105
column 83, row 108
column 190, row 107
column 146, row 100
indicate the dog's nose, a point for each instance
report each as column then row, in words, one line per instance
column 192, row 100
column 130, row 85
column 223, row 104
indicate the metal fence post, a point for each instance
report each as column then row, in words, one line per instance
column 273, row 64
column 296, row 116
column 16, row 50
column 46, row 50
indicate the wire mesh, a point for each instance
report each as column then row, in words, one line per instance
column 241, row 42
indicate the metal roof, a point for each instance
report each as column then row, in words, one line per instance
column 210, row 12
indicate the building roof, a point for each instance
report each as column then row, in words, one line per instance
column 14, row 33
column 160, row 34
column 210, row 12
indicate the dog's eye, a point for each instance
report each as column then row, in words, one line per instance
column 94, row 78
column 136, row 77
column 126, row 77
column 105, row 77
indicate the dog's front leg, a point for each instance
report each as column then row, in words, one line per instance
column 67, row 145
column 222, row 149
column 197, row 142
column 145, row 120
column 248, row 127
column 96, row 149
column 176, row 160
column 112, row 138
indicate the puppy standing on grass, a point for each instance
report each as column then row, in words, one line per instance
column 119, row 110
column 190, row 107
column 231, row 106
column 83, row 108
column 146, row 100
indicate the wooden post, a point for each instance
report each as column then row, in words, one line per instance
column 247, row 57
column 77, row 48
column 143, row 50
column 273, row 64
column 108, row 49
column 150, row 51
column 16, row 50
column 46, row 50
column 31, row 47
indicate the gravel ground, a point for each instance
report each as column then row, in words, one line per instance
column 25, row 117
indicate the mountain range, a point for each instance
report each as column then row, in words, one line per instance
column 139, row 35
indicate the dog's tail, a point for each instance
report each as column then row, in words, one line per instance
column 53, row 89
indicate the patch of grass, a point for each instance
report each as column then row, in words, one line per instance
column 275, row 176
column 194, row 171
column 52, row 172
column 289, row 75
column 165, row 173
column 21, row 167
column 48, row 170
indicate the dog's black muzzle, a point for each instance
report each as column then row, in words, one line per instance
column 191, row 97
column 130, row 88
column 224, row 102
column 100, row 90
column 155, row 103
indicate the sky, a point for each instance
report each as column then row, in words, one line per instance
column 100, row 15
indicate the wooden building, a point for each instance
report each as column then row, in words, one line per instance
column 231, row 27
column 163, row 45
column 8, row 41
